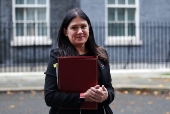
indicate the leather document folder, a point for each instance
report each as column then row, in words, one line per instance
column 77, row 74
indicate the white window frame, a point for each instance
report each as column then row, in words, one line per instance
column 123, row 40
column 30, row 40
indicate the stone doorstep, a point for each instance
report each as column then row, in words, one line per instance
column 22, row 89
column 112, row 71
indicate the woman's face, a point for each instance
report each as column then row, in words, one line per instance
column 77, row 31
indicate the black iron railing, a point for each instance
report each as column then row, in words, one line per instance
column 25, row 53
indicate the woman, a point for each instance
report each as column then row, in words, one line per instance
column 75, row 38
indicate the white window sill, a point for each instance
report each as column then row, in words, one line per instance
column 30, row 41
column 122, row 41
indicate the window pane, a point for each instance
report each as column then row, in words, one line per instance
column 111, row 1
column 30, row 13
column 131, row 1
column 41, row 1
column 121, row 1
column 19, row 1
column 131, row 29
column 41, row 13
column 30, row 29
column 30, row 1
column 19, row 14
column 111, row 14
column 131, row 14
column 116, row 29
column 111, row 29
column 42, row 29
column 120, row 29
column 19, row 29
column 121, row 14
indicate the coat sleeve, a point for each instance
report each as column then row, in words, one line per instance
column 53, row 97
column 108, row 85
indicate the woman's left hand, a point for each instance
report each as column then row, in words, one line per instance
column 98, row 94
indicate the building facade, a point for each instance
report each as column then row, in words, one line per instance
column 132, row 31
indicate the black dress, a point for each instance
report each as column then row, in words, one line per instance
column 55, row 99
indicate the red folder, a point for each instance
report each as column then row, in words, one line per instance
column 77, row 74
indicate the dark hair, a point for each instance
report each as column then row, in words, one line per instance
column 65, row 46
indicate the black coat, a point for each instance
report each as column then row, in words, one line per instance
column 55, row 99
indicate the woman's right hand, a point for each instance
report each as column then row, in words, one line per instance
column 96, row 94
column 89, row 94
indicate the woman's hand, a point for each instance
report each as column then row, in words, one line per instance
column 96, row 94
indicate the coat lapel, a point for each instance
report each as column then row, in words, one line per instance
column 103, row 72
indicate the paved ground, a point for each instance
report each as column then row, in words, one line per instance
column 141, row 103
column 22, row 103
column 132, row 97
column 32, row 102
